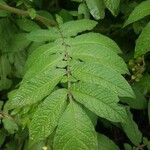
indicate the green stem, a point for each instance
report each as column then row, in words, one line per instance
column 24, row 13
column 67, row 58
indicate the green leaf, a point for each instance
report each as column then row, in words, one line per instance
column 2, row 137
column 5, row 71
column 32, row 13
column 1, row 104
column 47, row 115
column 97, row 8
column 83, row 10
column 95, row 38
column 75, row 130
column 139, row 102
column 41, row 51
column 65, row 14
column 27, row 25
column 10, row 125
column 94, row 75
column 127, row 147
column 149, row 110
column 98, row 74
column 19, row 43
column 72, row 28
column 131, row 129
column 112, row 5
column 92, row 116
column 99, row 54
column 41, row 35
column 3, row 13
column 104, row 143
column 68, row 29
column 99, row 100
column 36, row 88
column 148, row 145
column 140, row 11
column 79, row 1
column 142, row 43
column 143, row 84
column 37, row 146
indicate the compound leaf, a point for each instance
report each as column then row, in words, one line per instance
column 55, row 74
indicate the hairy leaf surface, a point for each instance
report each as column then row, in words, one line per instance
column 47, row 115
column 99, row 100
column 98, row 74
column 36, row 89
column 68, row 29
column 72, row 72
column 74, row 130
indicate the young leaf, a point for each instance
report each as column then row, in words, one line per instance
column 127, row 147
column 83, row 10
column 104, row 143
column 112, row 5
column 68, row 29
column 47, row 115
column 75, row 130
column 97, row 8
column 52, row 62
column 140, row 11
column 131, row 129
column 72, row 28
column 142, row 43
column 41, row 35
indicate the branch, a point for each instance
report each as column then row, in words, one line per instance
column 24, row 13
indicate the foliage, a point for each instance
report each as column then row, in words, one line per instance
column 74, row 75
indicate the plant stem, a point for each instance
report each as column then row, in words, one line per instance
column 24, row 13
column 67, row 58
